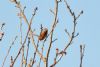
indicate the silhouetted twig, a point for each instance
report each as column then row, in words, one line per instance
column 82, row 49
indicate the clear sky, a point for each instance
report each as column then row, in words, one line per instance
column 88, row 27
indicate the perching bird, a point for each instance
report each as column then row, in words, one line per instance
column 43, row 34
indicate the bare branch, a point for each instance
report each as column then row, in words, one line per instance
column 9, row 51
column 52, row 29
column 72, row 35
column 82, row 49
column 22, row 44
column 27, row 51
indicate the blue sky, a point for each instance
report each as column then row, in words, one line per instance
column 88, row 27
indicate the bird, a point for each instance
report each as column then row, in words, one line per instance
column 43, row 34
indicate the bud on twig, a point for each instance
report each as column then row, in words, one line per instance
column 1, row 35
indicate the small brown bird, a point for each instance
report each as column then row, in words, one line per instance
column 43, row 34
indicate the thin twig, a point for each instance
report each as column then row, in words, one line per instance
column 9, row 51
column 82, row 49
column 2, row 26
column 21, row 40
column 27, row 51
column 35, row 54
column 11, row 61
